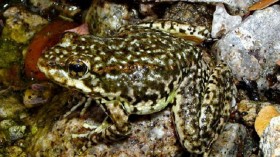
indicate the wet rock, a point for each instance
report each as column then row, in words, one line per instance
column 10, row 53
column 38, row 94
column 252, row 49
column 151, row 136
column 66, row 9
column 234, row 6
column 223, row 22
column 192, row 13
column 235, row 141
column 21, row 25
column 4, row 134
column 11, row 108
column 17, row 132
column 42, row 4
column 11, row 78
column 14, row 151
column 7, row 123
column 250, row 109
column 270, row 143
column 3, row 139
column 104, row 18
column 230, row 142
column 10, row 132
column 147, row 11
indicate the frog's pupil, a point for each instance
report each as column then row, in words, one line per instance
column 77, row 69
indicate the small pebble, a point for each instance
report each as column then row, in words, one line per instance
column 264, row 117
column 270, row 143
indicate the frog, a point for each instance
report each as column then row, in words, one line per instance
column 141, row 70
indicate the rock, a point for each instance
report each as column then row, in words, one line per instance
column 21, row 25
column 15, row 151
column 151, row 136
column 230, row 142
column 196, row 14
column 53, row 134
column 10, row 132
column 252, row 49
column 11, row 108
column 264, row 117
column 223, row 22
column 249, row 110
column 17, row 132
column 105, row 18
column 38, row 94
column 10, row 53
column 270, row 140
column 42, row 4
column 6, row 124
column 234, row 6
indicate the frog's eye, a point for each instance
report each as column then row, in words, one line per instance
column 77, row 68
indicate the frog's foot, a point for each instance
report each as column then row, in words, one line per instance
column 106, row 132
column 86, row 101
column 117, row 128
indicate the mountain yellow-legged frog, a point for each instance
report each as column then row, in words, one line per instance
column 141, row 70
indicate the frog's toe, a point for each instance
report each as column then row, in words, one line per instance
column 106, row 132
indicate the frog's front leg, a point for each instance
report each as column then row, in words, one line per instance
column 119, row 126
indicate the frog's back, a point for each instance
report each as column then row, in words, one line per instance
column 146, row 63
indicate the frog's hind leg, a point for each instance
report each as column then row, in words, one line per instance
column 202, row 107
column 219, row 97
column 187, row 31
column 186, row 109
column 119, row 126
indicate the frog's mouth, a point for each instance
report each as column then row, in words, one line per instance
column 61, row 77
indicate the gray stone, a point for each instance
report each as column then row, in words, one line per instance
column 235, row 6
column 270, row 140
column 252, row 49
column 229, row 141
column 223, row 22
column 17, row 132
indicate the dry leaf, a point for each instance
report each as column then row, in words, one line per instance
column 262, row 4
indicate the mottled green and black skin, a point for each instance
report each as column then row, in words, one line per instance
column 141, row 70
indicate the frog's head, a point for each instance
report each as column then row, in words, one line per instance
column 66, row 67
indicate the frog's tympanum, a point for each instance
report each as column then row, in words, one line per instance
column 141, row 70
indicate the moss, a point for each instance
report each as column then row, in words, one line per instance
column 21, row 25
column 18, row 33
column 4, row 4
column 10, row 53
column 14, row 151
